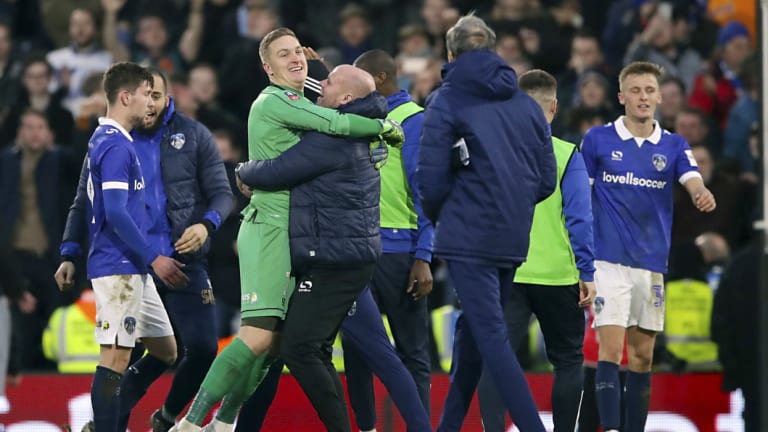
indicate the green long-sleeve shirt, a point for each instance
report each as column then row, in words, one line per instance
column 277, row 120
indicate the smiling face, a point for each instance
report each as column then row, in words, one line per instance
column 640, row 95
column 286, row 64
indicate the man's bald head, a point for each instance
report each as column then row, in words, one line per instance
column 380, row 65
column 344, row 84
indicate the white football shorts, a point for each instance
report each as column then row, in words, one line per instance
column 628, row 296
column 128, row 308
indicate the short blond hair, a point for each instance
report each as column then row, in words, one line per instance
column 271, row 37
column 640, row 68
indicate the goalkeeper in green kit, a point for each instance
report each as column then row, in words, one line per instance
column 277, row 119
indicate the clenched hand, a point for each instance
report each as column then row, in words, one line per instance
column 65, row 275
column 420, row 280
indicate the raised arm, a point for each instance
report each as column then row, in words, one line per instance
column 189, row 44
column 299, row 113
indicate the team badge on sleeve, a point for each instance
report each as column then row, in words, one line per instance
column 659, row 161
column 292, row 96
column 178, row 140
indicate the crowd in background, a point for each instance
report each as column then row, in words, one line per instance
column 53, row 53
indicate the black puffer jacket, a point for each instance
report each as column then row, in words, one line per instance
column 334, row 213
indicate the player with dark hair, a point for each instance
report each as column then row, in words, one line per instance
column 128, row 306
column 187, row 196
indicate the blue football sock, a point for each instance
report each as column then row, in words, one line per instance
column 135, row 383
column 636, row 398
column 608, row 394
column 105, row 399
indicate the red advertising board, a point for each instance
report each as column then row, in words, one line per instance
column 679, row 403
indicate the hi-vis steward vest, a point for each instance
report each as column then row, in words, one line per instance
column 69, row 338
column 688, row 315
column 396, row 204
column 550, row 257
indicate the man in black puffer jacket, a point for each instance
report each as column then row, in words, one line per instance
column 334, row 236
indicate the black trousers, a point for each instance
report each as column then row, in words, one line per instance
column 319, row 304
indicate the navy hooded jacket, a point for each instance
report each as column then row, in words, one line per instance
column 335, row 191
column 195, row 186
column 484, row 210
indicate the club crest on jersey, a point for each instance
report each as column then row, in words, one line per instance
column 178, row 140
column 292, row 96
column 659, row 161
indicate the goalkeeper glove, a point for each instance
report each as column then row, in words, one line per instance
column 379, row 153
column 392, row 133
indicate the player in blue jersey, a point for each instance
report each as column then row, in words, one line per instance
column 187, row 195
column 128, row 306
column 633, row 164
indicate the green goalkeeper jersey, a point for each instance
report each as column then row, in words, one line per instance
column 277, row 120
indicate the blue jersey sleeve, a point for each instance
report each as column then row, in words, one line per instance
column 577, row 209
column 114, row 172
column 685, row 162
column 589, row 154
column 410, row 156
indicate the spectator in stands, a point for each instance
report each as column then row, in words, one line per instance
column 241, row 76
column 83, row 57
column 154, row 45
column 593, row 93
column 10, row 69
column 438, row 16
column 578, row 121
column 415, row 51
column 426, row 81
column 731, row 217
column 623, row 21
column 93, row 106
column 69, row 339
column 509, row 47
column 34, row 93
column 673, row 96
column 586, row 56
column 741, row 119
column 13, row 289
column 685, row 344
column 355, row 30
column 716, row 90
column 691, row 123
column 36, row 183
column 657, row 44
column 204, row 89
column 55, row 15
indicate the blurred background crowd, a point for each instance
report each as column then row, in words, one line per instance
column 53, row 52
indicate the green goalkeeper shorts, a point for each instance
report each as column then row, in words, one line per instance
column 266, row 284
